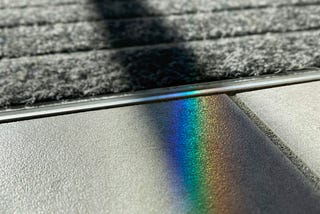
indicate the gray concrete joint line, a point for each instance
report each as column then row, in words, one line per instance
column 277, row 141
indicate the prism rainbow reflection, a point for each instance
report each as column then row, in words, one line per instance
column 200, row 169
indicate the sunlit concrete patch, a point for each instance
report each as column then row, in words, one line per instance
column 292, row 113
column 197, row 155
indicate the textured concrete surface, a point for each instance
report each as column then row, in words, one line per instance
column 292, row 113
column 199, row 155
column 64, row 49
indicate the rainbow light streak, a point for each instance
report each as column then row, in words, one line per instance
column 200, row 170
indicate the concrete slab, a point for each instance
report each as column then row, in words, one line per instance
column 293, row 114
column 199, row 155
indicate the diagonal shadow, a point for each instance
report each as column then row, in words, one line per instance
column 196, row 144
column 147, row 64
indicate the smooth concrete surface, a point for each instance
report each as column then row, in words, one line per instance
column 199, row 155
column 293, row 114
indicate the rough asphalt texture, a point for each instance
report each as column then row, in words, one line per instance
column 62, row 49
